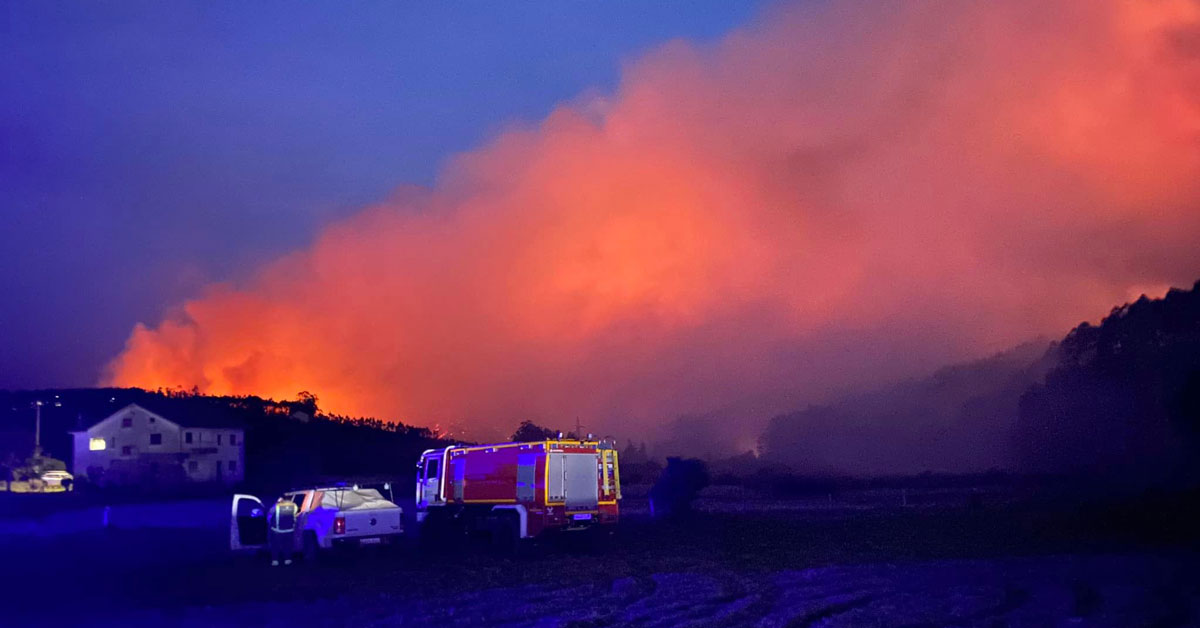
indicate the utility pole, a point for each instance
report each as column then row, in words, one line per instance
column 37, row 429
column 578, row 429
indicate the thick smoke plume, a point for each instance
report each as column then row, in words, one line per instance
column 839, row 195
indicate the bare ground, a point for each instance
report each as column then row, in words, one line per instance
column 737, row 563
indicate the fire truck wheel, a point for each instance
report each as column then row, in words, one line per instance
column 433, row 532
column 594, row 541
column 506, row 534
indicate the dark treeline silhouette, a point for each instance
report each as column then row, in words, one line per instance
column 288, row 443
column 637, row 466
column 1117, row 402
column 528, row 432
column 677, row 487
column 1123, row 400
column 958, row 420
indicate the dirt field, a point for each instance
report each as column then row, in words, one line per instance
column 739, row 562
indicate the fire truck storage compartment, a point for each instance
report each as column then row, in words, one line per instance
column 572, row 479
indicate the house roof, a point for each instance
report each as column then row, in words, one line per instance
column 193, row 412
column 83, row 408
column 199, row 416
column 181, row 413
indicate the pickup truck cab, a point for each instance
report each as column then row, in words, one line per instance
column 328, row 517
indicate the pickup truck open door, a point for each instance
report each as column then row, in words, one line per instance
column 247, row 524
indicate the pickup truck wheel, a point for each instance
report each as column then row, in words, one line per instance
column 310, row 547
column 393, row 546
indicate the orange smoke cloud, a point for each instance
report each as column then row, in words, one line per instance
column 834, row 196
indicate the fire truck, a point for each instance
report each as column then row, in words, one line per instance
column 513, row 491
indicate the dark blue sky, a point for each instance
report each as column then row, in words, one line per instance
column 149, row 148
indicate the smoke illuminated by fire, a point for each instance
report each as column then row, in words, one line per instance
column 835, row 196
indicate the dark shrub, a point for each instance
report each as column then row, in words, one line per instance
column 677, row 486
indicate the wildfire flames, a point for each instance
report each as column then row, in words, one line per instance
column 835, row 195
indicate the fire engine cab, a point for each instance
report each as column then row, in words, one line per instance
column 513, row 491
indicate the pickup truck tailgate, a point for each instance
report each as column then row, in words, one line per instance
column 372, row 522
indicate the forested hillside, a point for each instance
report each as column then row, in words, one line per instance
column 1124, row 397
column 1120, row 400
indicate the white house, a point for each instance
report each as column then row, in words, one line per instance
column 135, row 445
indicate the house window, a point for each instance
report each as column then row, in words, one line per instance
column 156, row 439
column 233, row 439
column 218, row 439
column 232, row 466
column 187, row 437
column 127, row 451
column 127, row 422
column 218, row 466
column 151, row 419
column 193, row 466
column 96, row 444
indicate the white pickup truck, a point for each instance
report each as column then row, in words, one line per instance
column 327, row 518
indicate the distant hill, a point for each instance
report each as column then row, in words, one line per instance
column 958, row 420
column 1120, row 400
column 287, row 442
column 1124, row 397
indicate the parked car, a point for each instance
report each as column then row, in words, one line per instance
column 58, row 478
column 336, row 516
